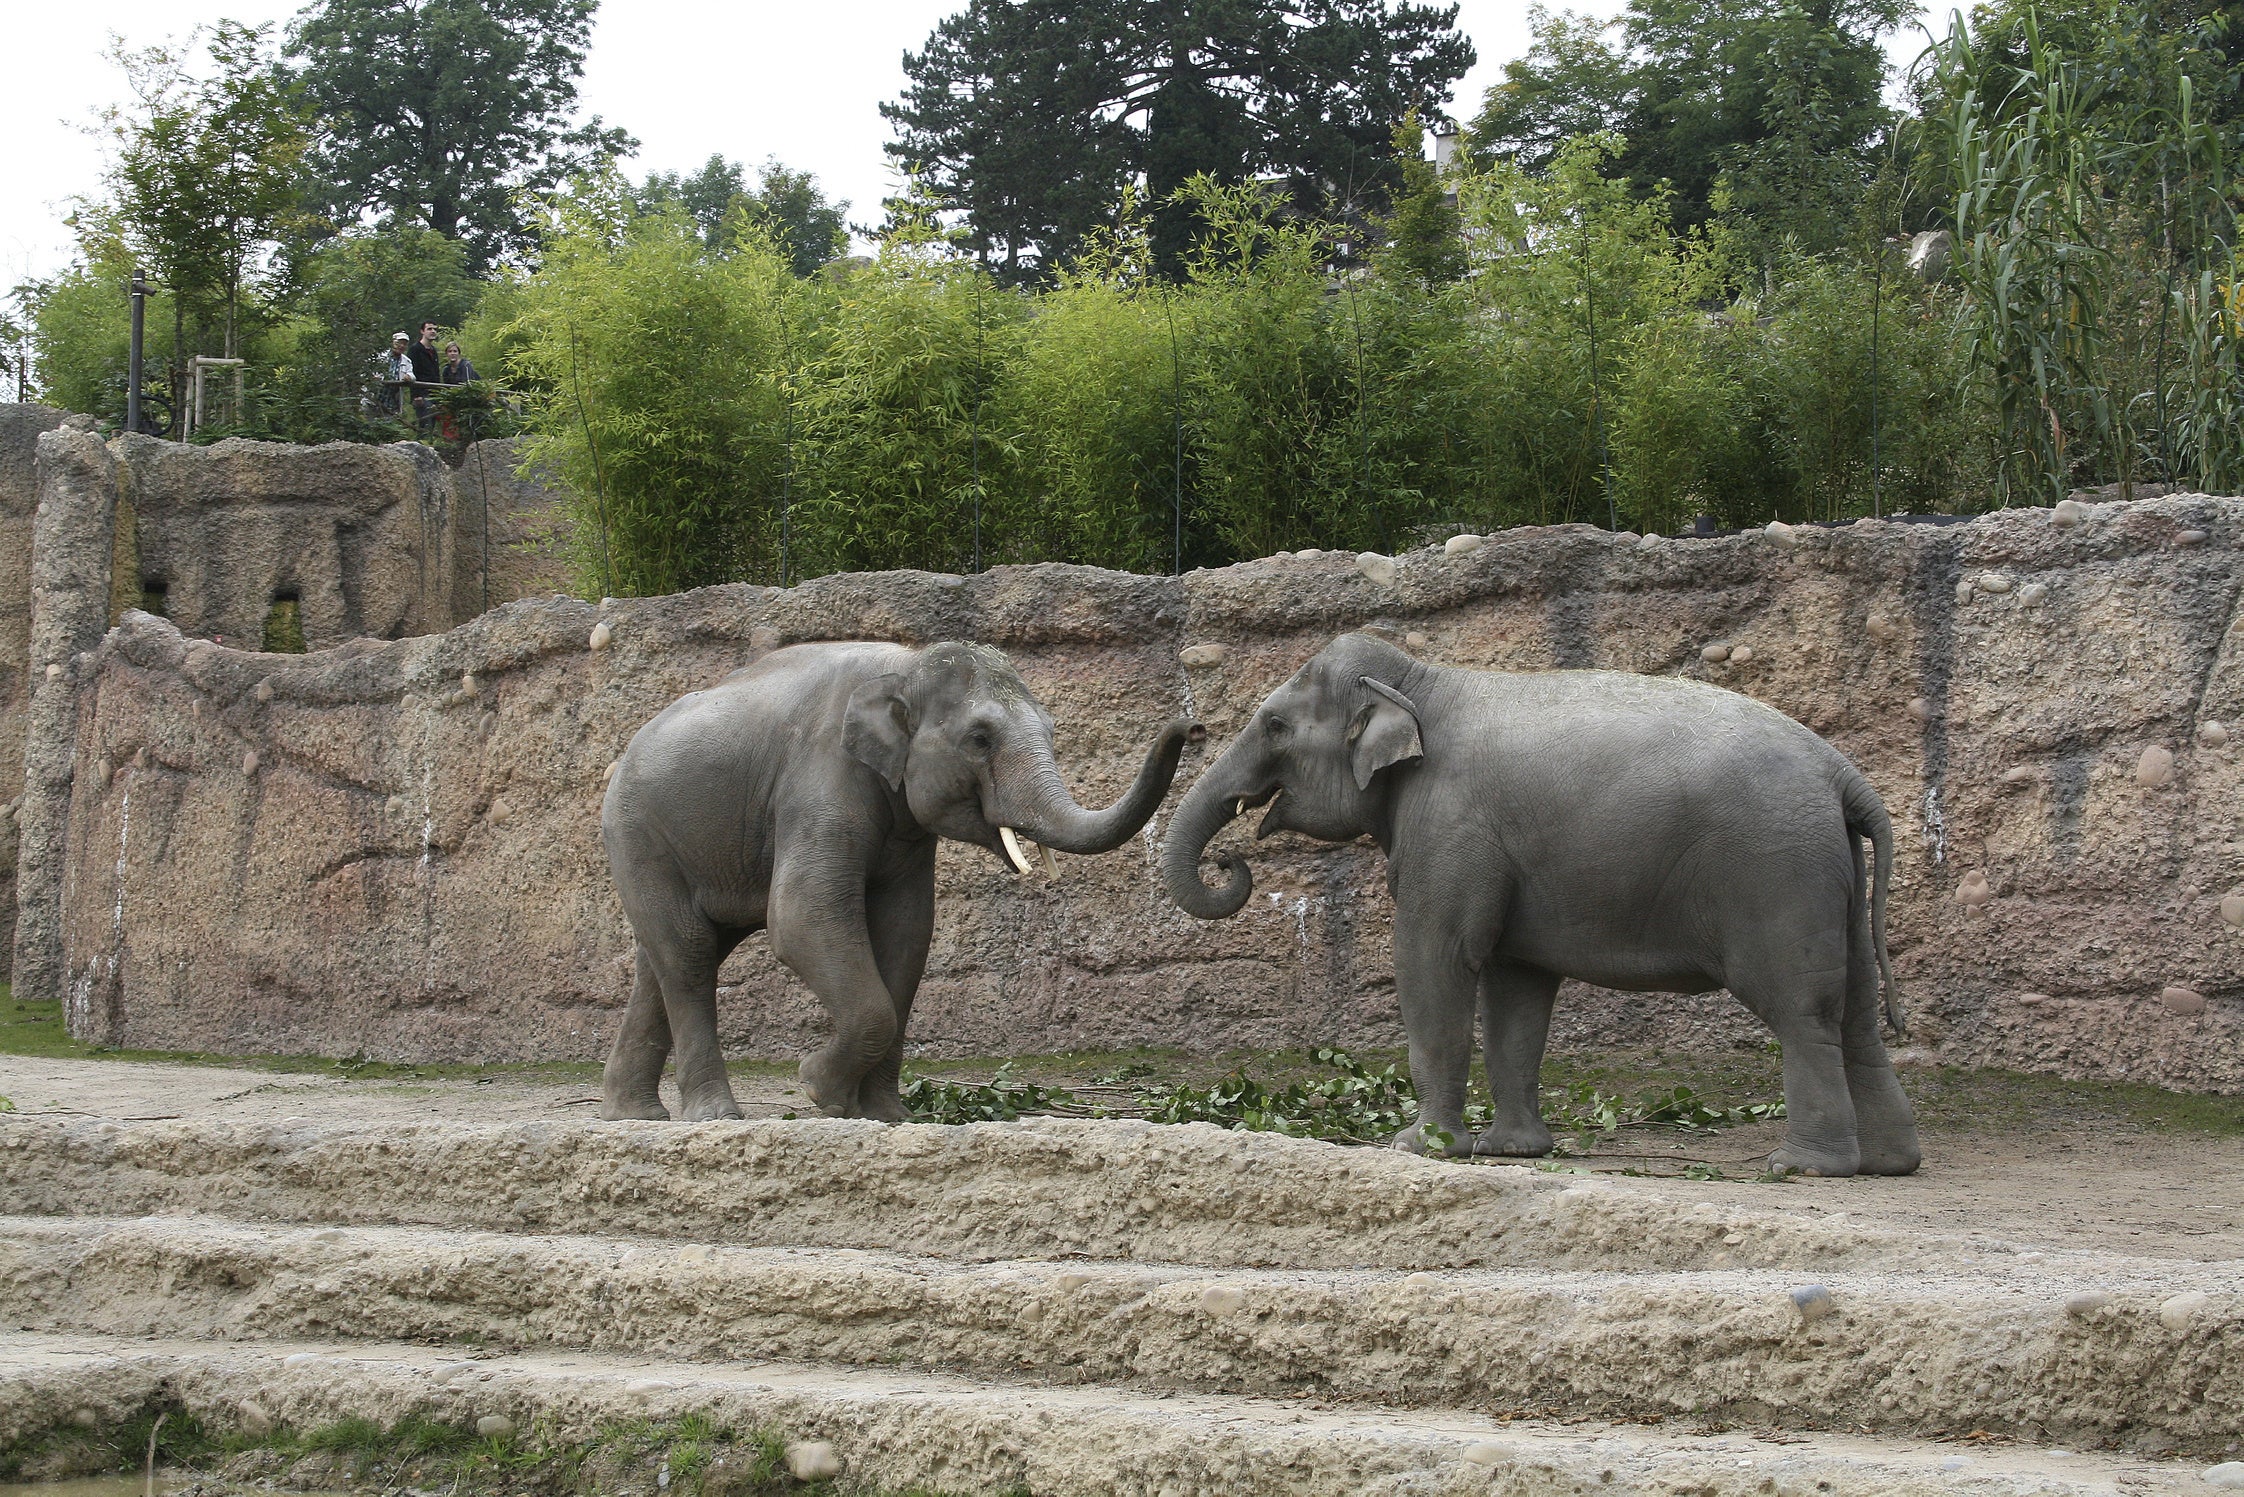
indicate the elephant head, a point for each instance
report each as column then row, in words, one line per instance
column 1315, row 751
column 970, row 749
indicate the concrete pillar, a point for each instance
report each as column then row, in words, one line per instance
column 72, row 534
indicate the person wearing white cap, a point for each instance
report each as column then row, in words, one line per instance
column 396, row 372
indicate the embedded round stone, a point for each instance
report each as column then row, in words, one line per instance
column 1201, row 657
column 264, row 692
column 1740, row 654
column 1920, row 709
column 2086, row 1302
column 601, row 635
column 1964, row 592
column 1222, row 1299
column 1486, row 1453
column 813, row 1460
column 2189, row 538
column 2232, row 908
column 2155, row 768
column 2177, row 1312
column 2228, row 1476
column 249, row 762
column 1459, row 545
column 1992, row 582
column 1414, row 641
column 494, row 1426
column 1380, row 569
column 2068, row 513
column 1715, row 653
column 1974, row 891
column 2033, row 592
column 2212, row 734
column 2187, row 1002
column 1813, row 1301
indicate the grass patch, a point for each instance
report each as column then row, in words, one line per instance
column 35, row 1029
column 689, row 1457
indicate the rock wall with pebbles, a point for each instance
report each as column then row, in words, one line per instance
column 20, row 426
column 392, row 847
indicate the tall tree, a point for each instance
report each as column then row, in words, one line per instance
column 1028, row 117
column 810, row 230
column 1779, row 101
column 443, row 112
column 204, row 178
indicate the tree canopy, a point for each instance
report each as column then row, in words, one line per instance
column 789, row 203
column 1028, row 118
column 1776, row 101
column 444, row 112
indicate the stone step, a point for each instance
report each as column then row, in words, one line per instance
column 1101, row 1190
column 893, row 1429
column 2030, row 1353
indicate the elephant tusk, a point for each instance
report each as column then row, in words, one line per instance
column 1051, row 864
column 1013, row 853
column 1239, row 806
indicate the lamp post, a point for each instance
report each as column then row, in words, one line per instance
column 132, row 359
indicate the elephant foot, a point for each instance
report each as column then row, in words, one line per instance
column 1899, row 1156
column 633, row 1109
column 1515, row 1140
column 1412, row 1140
column 884, row 1107
column 1833, row 1161
column 710, row 1109
column 829, row 1089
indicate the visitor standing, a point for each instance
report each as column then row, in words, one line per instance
column 457, row 371
column 426, row 370
column 395, row 369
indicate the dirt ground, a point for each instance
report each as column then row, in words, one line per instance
column 2017, row 1158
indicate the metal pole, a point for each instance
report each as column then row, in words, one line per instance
column 1877, row 301
column 1176, row 416
column 132, row 359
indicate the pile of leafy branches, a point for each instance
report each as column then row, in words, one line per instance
column 1352, row 1104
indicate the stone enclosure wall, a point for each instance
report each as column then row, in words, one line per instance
column 378, row 542
column 391, row 847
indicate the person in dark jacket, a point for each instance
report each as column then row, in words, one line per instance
column 457, row 370
column 426, row 371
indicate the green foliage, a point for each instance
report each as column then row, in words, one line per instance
column 448, row 114
column 788, row 204
column 661, row 390
column 1028, row 119
column 1349, row 1102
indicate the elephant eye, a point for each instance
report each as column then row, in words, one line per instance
column 1276, row 727
column 978, row 741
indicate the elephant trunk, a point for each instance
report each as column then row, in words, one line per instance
column 1206, row 811
column 1041, row 807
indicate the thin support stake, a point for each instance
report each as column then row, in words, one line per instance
column 1176, row 416
column 599, row 479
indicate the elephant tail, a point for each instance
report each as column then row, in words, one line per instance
column 1866, row 817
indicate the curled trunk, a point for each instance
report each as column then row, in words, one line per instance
column 1039, row 805
column 1205, row 812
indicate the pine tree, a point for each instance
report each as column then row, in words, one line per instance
column 1027, row 118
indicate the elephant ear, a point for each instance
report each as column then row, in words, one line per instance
column 1384, row 731
column 876, row 730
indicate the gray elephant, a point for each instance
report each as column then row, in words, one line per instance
column 1641, row 832
column 804, row 795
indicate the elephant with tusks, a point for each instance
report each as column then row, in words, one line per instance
column 1639, row 832
column 804, row 795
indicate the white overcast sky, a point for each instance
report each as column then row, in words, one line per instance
column 802, row 82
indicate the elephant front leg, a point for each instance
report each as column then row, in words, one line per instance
column 1435, row 988
column 818, row 930
column 1515, row 1023
column 900, row 922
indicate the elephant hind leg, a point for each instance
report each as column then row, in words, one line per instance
column 631, row 1082
column 1885, row 1127
column 682, row 951
column 1804, row 1006
column 1515, row 1023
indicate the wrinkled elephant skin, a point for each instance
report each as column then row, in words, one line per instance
column 803, row 796
column 1640, row 832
